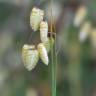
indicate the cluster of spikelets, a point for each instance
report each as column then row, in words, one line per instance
column 31, row 53
column 86, row 29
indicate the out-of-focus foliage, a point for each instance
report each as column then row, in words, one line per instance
column 76, row 71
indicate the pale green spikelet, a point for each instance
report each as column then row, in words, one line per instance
column 36, row 17
column 43, row 53
column 43, row 31
column 30, row 57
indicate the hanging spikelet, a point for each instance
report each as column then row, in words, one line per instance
column 36, row 17
column 84, row 31
column 47, row 44
column 43, row 53
column 44, row 31
column 80, row 15
column 30, row 57
column 93, row 38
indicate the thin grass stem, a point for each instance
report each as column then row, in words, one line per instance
column 53, row 55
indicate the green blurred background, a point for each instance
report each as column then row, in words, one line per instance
column 76, row 70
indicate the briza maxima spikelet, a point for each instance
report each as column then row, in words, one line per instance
column 85, row 31
column 43, row 53
column 93, row 37
column 80, row 16
column 30, row 57
column 36, row 17
column 48, row 43
column 43, row 31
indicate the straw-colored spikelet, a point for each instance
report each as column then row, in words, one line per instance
column 48, row 43
column 30, row 57
column 43, row 31
column 80, row 16
column 93, row 37
column 35, row 18
column 84, row 31
column 43, row 53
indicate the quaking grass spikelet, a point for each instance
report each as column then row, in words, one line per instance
column 43, row 53
column 36, row 17
column 30, row 57
column 44, row 31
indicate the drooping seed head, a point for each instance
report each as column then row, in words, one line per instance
column 43, row 53
column 43, row 31
column 30, row 56
column 35, row 18
column 31, row 59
